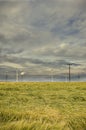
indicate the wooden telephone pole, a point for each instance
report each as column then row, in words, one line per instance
column 69, row 74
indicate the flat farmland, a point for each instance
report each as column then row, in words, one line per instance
column 43, row 106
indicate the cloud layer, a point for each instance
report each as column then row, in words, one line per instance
column 45, row 33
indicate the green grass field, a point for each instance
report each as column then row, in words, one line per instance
column 42, row 106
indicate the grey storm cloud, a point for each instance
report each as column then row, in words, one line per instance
column 2, row 38
column 7, row 51
column 42, row 32
column 36, row 62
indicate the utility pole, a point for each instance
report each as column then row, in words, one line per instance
column 52, row 75
column 69, row 77
column 17, row 75
column 6, row 76
column 69, row 73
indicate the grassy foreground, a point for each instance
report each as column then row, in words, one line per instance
column 42, row 106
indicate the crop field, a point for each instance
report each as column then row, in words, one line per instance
column 43, row 106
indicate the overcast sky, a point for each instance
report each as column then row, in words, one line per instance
column 43, row 34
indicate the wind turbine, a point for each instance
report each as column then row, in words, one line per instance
column 22, row 74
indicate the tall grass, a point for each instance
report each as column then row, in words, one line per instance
column 42, row 106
